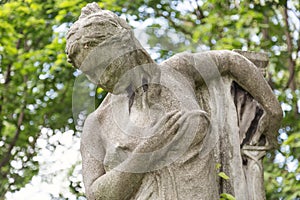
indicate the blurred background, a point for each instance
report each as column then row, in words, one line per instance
column 40, row 133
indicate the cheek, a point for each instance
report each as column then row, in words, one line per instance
column 99, row 70
column 92, row 77
column 80, row 55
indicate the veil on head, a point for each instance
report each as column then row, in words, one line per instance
column 93, row 27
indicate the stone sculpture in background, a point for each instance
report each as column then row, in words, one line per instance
column 163, row 128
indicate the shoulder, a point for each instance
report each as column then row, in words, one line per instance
column 184, row 63
column 91, row 137
column 93, row 120
column 91, row 144
column 188, row 58
column 91, row 133
column 179, row 60
column 203, row 62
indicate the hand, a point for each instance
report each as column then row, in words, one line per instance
column 171, row 137
column 267, row 126
column 172, row 127
column 162, row 132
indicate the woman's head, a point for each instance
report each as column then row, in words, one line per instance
column 93, row 27
column 103, row 46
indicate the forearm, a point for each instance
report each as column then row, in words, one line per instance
column 115, row 185
column 121, row 182
column 118, row 183
column 253, row 81
column 247, row 75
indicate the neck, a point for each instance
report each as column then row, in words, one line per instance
column 126, row 58
column 131, row 68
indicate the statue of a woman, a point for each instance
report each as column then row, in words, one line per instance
column 162, row 129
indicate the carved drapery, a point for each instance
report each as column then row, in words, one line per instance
column 252, row 143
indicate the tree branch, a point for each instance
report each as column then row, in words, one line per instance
column 7, row 79
column 183, row 30
column 199, row 12
column 6, row 158
column 291, row 63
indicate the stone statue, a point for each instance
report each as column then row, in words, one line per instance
column 163, row 128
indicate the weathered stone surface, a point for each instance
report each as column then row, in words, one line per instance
column 162, row 129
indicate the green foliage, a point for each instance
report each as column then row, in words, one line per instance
column 225, row 196
column 36, row 81
column 35, row 84
column 223, row 175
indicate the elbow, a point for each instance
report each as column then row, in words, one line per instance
column 98, row 190
column 277, row 113
column 93, row 192
column 226, row 60
column 89, row 191
column 236, row 59
column 90, row 195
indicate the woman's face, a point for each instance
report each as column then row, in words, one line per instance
column 92, row 48
column 91, row 34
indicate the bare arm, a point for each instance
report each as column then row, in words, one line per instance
column 110, row 185
column 122, row 182
column 98, row 183
column 247, row 75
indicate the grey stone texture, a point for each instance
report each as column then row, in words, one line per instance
column 164, row 128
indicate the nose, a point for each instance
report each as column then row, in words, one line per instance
column 69, row 60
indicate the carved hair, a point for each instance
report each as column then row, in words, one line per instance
column 93, row 27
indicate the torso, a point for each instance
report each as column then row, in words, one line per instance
column 185, row 178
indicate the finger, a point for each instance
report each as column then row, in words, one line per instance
column 173, row 130
column 164, row 120
column 166, row 135
column 174, row 119
column 178, row 131
column 197, row 112
column 169, row 129
column 184, row 126
column 172, row 113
